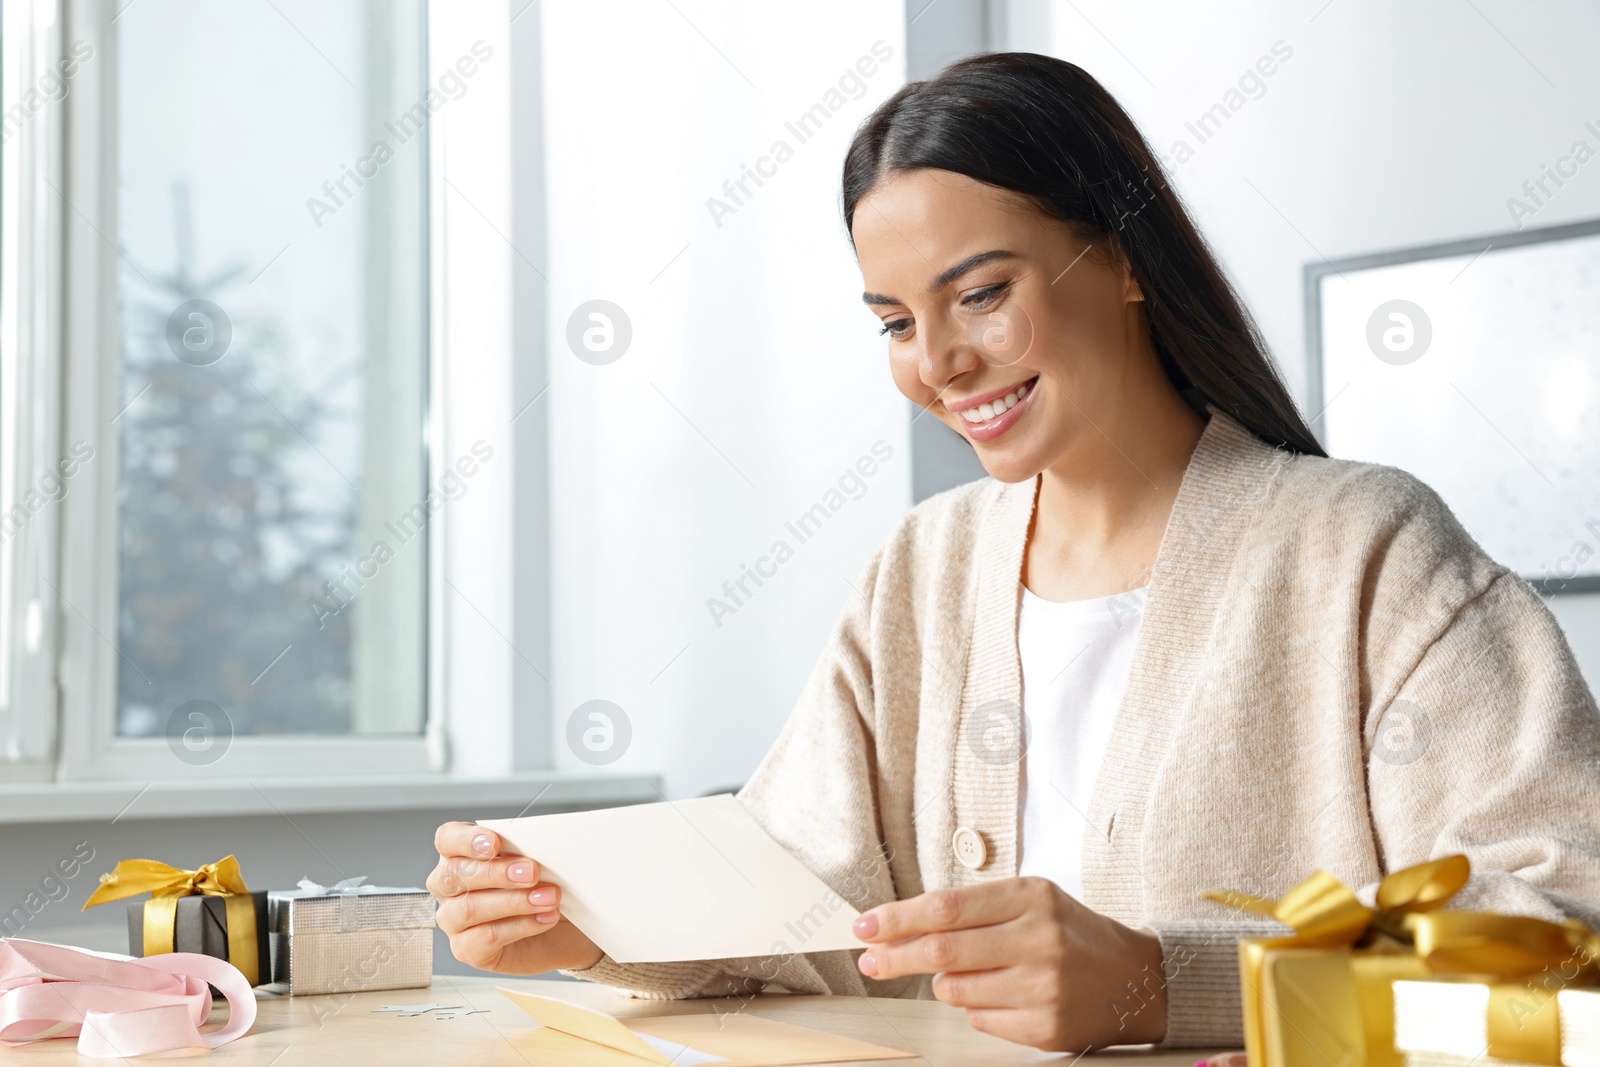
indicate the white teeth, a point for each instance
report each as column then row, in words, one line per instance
column 985, row 412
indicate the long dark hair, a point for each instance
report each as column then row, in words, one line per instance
column 1045, row 129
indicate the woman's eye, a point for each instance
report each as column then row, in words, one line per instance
column 979, row 299
column 896, row 328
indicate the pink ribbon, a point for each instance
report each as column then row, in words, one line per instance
column 116, row 1006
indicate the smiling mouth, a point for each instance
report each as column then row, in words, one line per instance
column 991, row 410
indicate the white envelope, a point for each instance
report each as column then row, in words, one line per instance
column 573, row 1034
column 683, row 880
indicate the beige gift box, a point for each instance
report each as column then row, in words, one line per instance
column 350, row 937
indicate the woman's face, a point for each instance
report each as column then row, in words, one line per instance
column 1013, row 332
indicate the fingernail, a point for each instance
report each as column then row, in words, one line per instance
column 520, row 871
column 547, row 917
column 866, row 926
column 545, row 894
column 483, row 845
column 868, row 965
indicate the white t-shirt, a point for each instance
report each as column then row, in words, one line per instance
column 1075, row 661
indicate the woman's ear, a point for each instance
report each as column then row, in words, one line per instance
column 1131, row 293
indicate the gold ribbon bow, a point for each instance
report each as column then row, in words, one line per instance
column 1522, row 1023
column 167, row 884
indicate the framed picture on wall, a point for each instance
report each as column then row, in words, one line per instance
column 1475, row 365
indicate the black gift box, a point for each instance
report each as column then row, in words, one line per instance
column 201, row 926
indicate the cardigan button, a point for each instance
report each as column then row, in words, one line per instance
column 970, row 850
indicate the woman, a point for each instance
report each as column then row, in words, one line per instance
column 1234, row 660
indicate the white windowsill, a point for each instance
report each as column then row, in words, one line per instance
column 36, row 802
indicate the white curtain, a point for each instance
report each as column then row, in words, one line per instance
column 693, row 155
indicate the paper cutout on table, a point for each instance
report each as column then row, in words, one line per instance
column 685, row 880
column 441, row 1011
column 416, row 1009
column 583, row 1037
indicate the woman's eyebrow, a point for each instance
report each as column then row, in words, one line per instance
column 948, row 275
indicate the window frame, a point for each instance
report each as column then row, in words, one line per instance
column 30, row 258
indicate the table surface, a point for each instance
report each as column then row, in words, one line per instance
column 347, row 1029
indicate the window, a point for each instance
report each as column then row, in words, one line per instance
column 273, row 415
column 271, row 231
column 230, row 450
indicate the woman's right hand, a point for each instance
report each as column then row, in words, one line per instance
column 499, row 916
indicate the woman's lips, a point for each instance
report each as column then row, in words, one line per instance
column 1000, row 419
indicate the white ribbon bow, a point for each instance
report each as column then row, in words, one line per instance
column 347, row 890
column 339, row 888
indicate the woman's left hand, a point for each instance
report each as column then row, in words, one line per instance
column 1028, row 963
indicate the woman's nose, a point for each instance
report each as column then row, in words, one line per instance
column 946, row 353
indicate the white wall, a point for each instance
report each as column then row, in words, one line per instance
column 753, row 380
column 1389, row 126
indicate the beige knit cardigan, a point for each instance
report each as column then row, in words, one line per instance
column 1294, row 601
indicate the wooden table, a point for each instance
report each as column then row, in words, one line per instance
column 346, row 1031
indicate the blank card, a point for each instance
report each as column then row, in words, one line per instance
column 683, row 880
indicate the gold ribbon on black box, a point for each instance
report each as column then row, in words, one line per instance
column 167, row 885
column 1322, row 996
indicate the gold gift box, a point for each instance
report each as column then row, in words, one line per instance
column 1324, row 995
column 1321, row 1007
column 181, row 914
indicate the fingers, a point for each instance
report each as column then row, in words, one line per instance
column 467, row 910
column 455, row 875
column 1003, row 987
column 1043, row 1030
column 466, row 839
column 948, row 950
column 484, row 945
column 948, row 909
